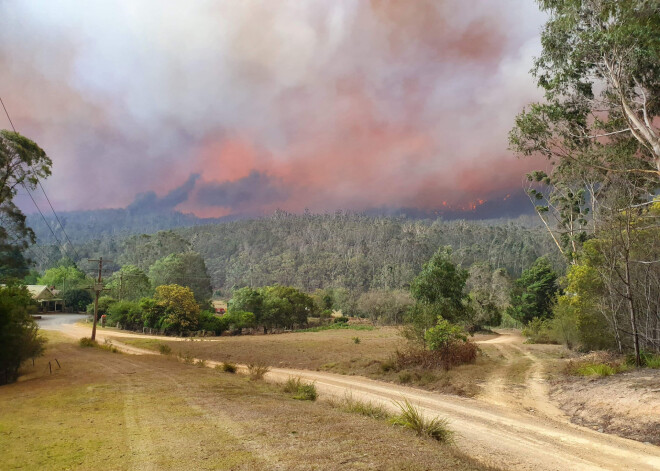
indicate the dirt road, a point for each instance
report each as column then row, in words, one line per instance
column 539, row 438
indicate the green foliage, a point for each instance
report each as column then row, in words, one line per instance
column 181, row 311
column 441, row 284
column 539, row 331
column 384, row 306
column 210, row 322
column 534, row 292
column 356, row 340
column 127, row 313
column 22, row 163
column 238, row 320
column 412, row 418
column 339, row 326
column 274, row 306
column 144, row 250
column 65, row 278
column 104, row 305
column 340, row 320
column 443, row 334
column 76, row 300
column 300, row 390
column 19, row 336
column 129, row 283
column 184, row 269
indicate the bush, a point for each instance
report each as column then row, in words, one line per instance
column 164, row 349
column 104, row 304
column 412, row 418
column 212, row 323
column 539, row 331
column 300, row 390
column 356, row 340
column 19, row 334
column 597, row 364
column 340, row 320
column 444, row 334
column 126, row 313
column 87, row 342
column 449, row 357
column 405, row 377
column 257, row 371
column 76, row 300
column 229, row 367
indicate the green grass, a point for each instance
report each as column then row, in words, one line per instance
column 412, row 418
column 599, row 369
column 366, row 408
column 652, row 361
column 301, row 391
column 339, row 326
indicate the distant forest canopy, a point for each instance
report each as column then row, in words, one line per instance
column 142, row 218
column 342, row 250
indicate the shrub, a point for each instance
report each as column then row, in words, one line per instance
column 340, row 320
column 454, row 354
column 300, row 390
column 164, row 349
column 599, row 369
column 356, row 340
column 87, row 342
column 257, row 371
column 538, row 331
column 405, row 377
column 412, row 418
column 19, row 333
column 649, row 360
column 597, row 364
column 388, row 365
column 229, row 367
column 212, row 323
column 200, row 363
column 444, row 334
column 126, row 313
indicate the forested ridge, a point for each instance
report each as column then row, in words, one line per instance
column 346, row 250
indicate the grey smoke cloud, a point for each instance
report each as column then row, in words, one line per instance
column 346, row 104
column 150, row 202
column 245, row 194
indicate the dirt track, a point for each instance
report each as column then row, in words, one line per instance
column 509, row 437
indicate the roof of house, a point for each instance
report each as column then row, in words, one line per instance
column 37, row 290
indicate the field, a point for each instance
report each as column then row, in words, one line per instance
column 335, row 351
column 105, row 409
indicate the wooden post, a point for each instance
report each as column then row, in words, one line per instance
column 97, row 290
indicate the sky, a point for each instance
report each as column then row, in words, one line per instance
column 243, row 107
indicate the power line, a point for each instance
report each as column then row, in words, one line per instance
column 44, row 192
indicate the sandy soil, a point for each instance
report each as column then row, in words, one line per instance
column 626, row 404
column 514, row 431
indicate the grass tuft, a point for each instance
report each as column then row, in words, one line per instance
column 257, row 371
column 300, row 390
column 366, row 408
column 412, row 418
column 87, row 342
column 164, row 349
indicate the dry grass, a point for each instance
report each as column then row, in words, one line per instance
column 151, row 412
column 334, row 351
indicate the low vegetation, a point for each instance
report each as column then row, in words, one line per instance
column 300, row 390
column 356, row 406
column 412, row 418
column 257, row 371
column 228, row 367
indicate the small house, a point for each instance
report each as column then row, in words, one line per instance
column 45, row 298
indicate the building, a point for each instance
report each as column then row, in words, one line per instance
column 47, row 300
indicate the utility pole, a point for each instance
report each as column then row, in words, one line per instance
column 98, row 287
column 121, row 285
